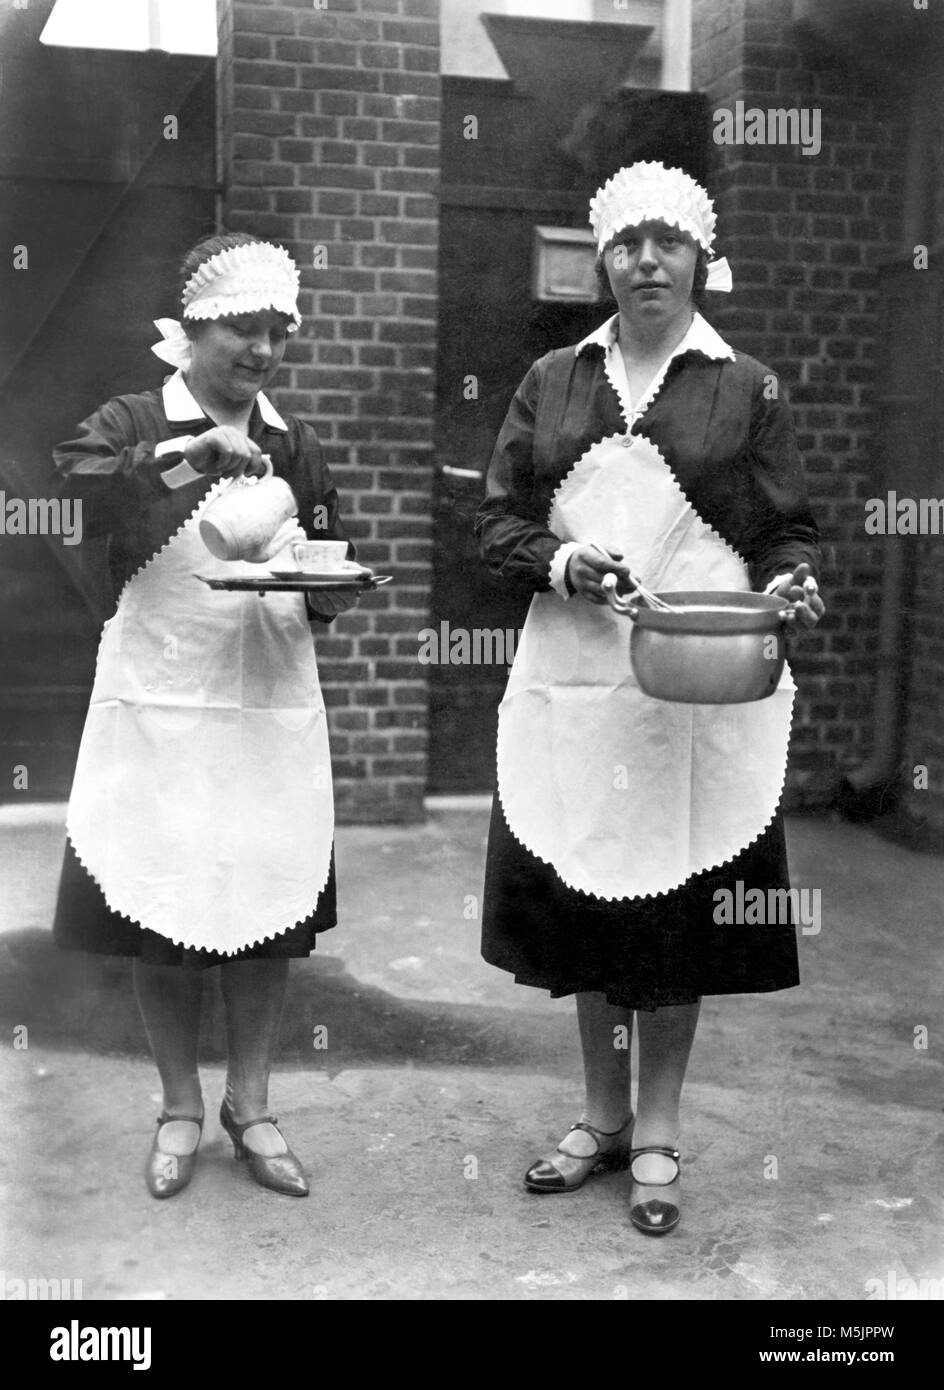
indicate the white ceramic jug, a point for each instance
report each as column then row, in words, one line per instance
column 242, row 520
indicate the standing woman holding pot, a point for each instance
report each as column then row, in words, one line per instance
column 200, row 826
column 651, row 447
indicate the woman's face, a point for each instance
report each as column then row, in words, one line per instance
column 652, row 271
column 234, row 358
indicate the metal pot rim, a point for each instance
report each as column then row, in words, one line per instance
column 723, row 613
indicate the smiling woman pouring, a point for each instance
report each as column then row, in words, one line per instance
column 201, row 818
column 651, row 448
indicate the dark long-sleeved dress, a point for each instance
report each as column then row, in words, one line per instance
column 111, row 466
column 725, row 431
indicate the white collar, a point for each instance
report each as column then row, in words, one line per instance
column 701, row 337
column 179, row 404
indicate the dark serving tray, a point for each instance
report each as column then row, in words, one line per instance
column 264, row 583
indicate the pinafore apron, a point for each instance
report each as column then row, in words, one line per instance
column 202, row 802
column 627, row 796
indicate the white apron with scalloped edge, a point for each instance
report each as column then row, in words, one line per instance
column 202, row 802
column 627, row 796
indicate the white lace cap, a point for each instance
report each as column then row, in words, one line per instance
column 244, row 280
column 649, row 192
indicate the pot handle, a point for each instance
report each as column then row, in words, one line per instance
column 618, row 602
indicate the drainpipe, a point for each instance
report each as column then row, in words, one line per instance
column 879, row 772
column 676, row 46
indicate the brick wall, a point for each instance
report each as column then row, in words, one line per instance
column 330, row 139
column 924, row 730
column 804, row 235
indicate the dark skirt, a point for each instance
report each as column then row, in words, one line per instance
column 642, row 953
column 85, row 922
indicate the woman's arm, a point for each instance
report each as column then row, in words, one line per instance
column 318, row 504
column 781, row 532
column 510, row 524
column 319, row 514
column 112, row 468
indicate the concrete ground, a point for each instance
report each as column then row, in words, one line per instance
column 812, row 1143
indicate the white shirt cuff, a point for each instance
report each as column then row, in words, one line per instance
column 559, row 566
column 181, row 473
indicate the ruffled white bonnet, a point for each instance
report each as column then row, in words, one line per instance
column 240, row 280
column 649, row 192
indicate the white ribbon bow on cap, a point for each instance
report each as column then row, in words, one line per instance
column 174, row 346
column 648, row 191
column 719, row 276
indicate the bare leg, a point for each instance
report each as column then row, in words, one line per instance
column 253, row 993
column 606, row 1038
column 606, row 1034
column 169, row 997
column 665, row 1042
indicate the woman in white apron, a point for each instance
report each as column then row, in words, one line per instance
column 200, row 825
column 651, row 446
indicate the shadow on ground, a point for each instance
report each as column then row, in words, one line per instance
column 331, row 1021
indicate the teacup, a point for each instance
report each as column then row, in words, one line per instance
column 240, row 522
column 317, row 556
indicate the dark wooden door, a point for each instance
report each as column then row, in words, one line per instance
column 496, row 189
column 105, row 201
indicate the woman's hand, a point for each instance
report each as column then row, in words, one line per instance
column 803, row 592
column 328, row 602
column 332, row 601
column 586, row 568
column 224, row 452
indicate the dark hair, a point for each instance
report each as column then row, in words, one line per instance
column 698, row 284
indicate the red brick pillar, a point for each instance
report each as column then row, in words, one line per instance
column 329, row 128
column 804, row 234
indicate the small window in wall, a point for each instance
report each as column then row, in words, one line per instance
column 562, row 265
column 170, row 26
